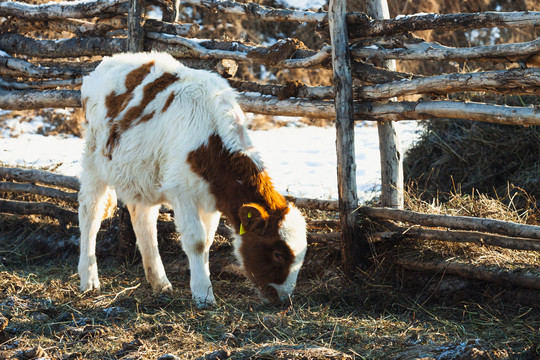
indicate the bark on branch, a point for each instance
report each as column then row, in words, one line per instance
column 515, row 81
column 361, row 26
column 39, row 176
column 405, row 110
column 62, row 10
column 75, row 47
column 432, row 51
column 33, row 99
column 507, row 242
column 27, row 69
column 44, row 209
column 259, row 11
column 25, row 188
column 455, row 222
column 473, row 272
column 45, row 84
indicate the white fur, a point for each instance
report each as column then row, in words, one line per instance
column 148, row 165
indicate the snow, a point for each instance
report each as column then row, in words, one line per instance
column 303, row 4
column 301, row 160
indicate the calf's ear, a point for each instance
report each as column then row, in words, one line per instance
column 254, row 218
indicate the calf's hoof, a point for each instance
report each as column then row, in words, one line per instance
column 162, row 288
column 204, row 303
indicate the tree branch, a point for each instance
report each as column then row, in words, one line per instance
column 259, row 11
column 75, row 47
column 39, row 176
column 361, row 26
column 44, row 209
column 473, row 272
column 515, row 81
column 516, row 243
column 455, row 222
column 432, row 51
column 62, row 10
column 33, row 99
column 22, row 188
column 28, row 69
column 42, row 84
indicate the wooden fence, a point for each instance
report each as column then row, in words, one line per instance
column 52, row 76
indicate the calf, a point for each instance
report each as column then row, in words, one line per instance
column 160, row 132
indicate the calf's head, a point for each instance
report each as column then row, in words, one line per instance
column 271, row 248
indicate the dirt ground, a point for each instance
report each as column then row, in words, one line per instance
column 383, row 313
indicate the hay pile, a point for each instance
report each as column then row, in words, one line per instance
column 502, row 161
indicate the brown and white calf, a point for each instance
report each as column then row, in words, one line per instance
column 159, row 132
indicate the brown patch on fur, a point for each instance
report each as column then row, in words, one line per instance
column 147, row 117
column 150, row 91
column 114, row 102
column 84, row 101
column 168, row 102
column 236, row 180
column 199, row 248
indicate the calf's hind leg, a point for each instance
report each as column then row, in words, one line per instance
column 92, row 200
column 144, row 220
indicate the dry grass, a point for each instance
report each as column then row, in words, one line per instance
column 377, row 315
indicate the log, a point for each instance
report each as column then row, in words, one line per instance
column 507, row 242
column 352, row 253
column 61, row 10
column 43, row 209
column 60, row 48
column 79, row 27
column 361, row 26
column 39, row 176
column 377, row 75
column 42, row 84
column 431, row 51
column 294, row 89
column 26, row 68
column 472, row 272
column 454, row 222
column 514, row 81
column 389, row 146
column 135, row 21
column 404, row 110
column 181, row 47
column 314, row 204
column 259, row 11
column 33, row 99
column 23, row 188
column 101, row 27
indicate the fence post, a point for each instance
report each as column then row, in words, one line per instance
column 135, row 43
column 346, row 166
column 389, row 146
column 135, row 26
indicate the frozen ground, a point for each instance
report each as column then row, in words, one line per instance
column 301, row 160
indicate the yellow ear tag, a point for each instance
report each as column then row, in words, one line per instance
column 242, row 230
column 249, row 215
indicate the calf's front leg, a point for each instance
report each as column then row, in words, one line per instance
column 194, row 238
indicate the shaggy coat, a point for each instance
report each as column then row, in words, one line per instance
column 159, row 132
